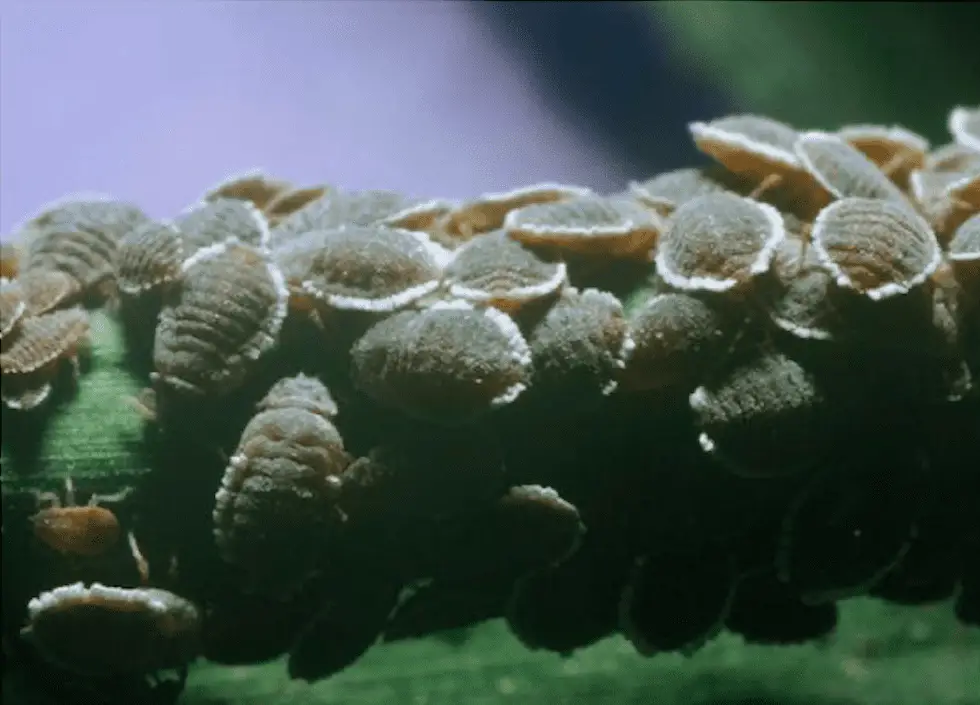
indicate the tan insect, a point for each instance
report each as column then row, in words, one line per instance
column 78, row 530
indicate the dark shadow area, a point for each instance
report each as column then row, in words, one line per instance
column 605, row 67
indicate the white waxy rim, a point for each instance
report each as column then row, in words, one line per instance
column 257, row 217
column 626, row 227
column 72, row 317
column 759, row 265
column 434, row 253
column 76, row 594
column 707, row 135
column 843, row 279
column 127, row 287
column 61, row 202
column 893, row 134
column 959, row 118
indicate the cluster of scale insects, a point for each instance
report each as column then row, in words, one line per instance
column 726, row 397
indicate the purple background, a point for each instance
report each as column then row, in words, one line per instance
column 154, row 102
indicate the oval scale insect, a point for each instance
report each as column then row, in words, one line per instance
column 71, row 529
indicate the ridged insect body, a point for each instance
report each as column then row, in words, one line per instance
column 79, row 237
column 276, row 511
column 224, row 317
column 148, row 258
column 447, row 363
column 31, row 360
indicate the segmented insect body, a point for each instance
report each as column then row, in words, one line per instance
column 79, row 237
column 276, row 509
column 225, row 316
column 588, row 226
column 31, row 360
column 496, row 270
column 719, row 242
column 447, row 363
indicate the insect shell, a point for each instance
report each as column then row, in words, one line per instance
column 71, row 529
column 31, row 360
column 275, row 510
column 226, row 314
column 101, row 630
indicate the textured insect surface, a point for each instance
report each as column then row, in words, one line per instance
column 46, row 289
column 227, row 313
column 340, row 209
column 770, row 394
column 545, row 528
column 964, row 250
column 588, row 225
column 933, row 193
column 487, row 212
column 363, row 268
column 223, row 219
column 951, row 157
column 86, row 531
column 148, row 257
column 578, row 347
column 496, row 270
column 276, row 508
column 877, row 248
column 446, row 363
column 964, row 126
column 675, row 337
column 292, row 200
column 964, row 191
column 760, row 152
column 893, row 149
column 79, row 237
column 253, row 185
column 800, row 301
column 843, row 170
column 10, row 257
column 29, row 362
column 718, row 242
column 420, row 214
column 104, row 631
column 12, row 306
column 667, row 192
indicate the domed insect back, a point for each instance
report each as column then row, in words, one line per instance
column 149, row 258
column 719, row 243
column 494, row 270
column 275, row 512
column 759, row 152
column 368, row 269
column 31, row 360
column 665, row 193
column 447, row 363
column 222, row 220
column 588, row 226
column 896, row 151
column 876, row 248
column 134, row 630
column 488, row 211
column 758, row 416
column 78, row 235
column 224, row 317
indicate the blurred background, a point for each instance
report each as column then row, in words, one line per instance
column 155, row 101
